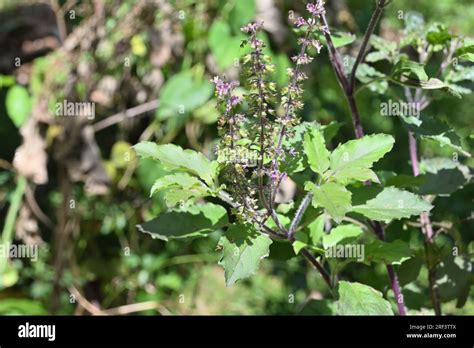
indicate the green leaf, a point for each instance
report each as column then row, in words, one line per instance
column 242, row 13
column 315, row 150
column 436, row 130
column 18, row 105
column 375, row 80
column 176, row 196
column 440, row 37
column 353, row 159
column 302, row 241
column 181, row 94
column 174, row 157
column 393, row 203
column 385, row 50
column 335, row 198
column 402, row 181
column 466, row 52
column 224, row 46
column 412, row 74
column 444, row 182
column 339, row 38
column 454, row 278
column 310, row 236
column 409, row 270
column 193, row 221
column 360, row 299
column 342, row 234
column 394, row 252
column 121, row 154
column 242, row 250
column 180, row 180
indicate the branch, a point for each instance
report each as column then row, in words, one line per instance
column 132, row 112
column 334, row 57
column 229, row 200
column 318, row 266
column 370, row 30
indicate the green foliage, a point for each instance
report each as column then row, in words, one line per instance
column 334, row 198
column 175, row 158
column 181, row 94
column 342, row 234
column 242, row 250
column 360, row 299
column 353, row 160
column 18, row 105
column 393, row 203
column 185, row 222
column 315, row 149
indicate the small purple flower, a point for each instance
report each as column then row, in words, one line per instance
column 300, row 21
column 252, row 27
column 222, row 87
column 274, row 175
column 234, row 100
column 316, row 9
column 302, row 59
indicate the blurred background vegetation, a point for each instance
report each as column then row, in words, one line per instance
column 86, row 191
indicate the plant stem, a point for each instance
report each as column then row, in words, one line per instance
column 8, row 228
column 226, row 197
column 299, row 214
column 370, row 29
column 426, row 226
column 318, row 266
column 358, row 128
column 379, row 230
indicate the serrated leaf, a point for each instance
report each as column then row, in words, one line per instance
column 342, row 234
column 353, row 159
column 180, row 180
column 393, row 203
column 394, row 252
column 315, row 150
column 334, row 198
column 174, row 157
column 243, row 248
column 436, row 130
column 412, row 74
column 192, row 221
column 360, row 299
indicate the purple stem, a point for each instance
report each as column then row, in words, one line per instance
column 358, row 128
